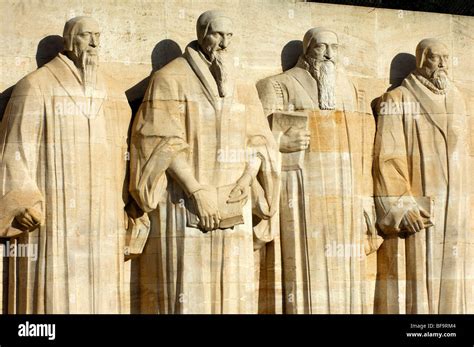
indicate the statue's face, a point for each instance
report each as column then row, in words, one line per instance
column 218, row 36
column 323, row 47
column 436, row 61
column 87, row 38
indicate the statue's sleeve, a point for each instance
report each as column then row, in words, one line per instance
column 391, row 176
column 366, row 131
column 270, row 93
column 21, row 137
column 158, row 135
column 266, row 187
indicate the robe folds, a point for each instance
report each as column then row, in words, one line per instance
column 326, row 205
column 422, row 161
column 63, row 152
column 183, row 269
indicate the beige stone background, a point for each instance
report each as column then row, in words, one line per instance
column 377, row 45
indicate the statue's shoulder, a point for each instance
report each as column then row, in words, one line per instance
column 295, row 71
column 397, row 93
column 174, row 71
column 32, row 82
column 266, row 82
column 392, row 98
column 176, row 66
column 289, row 75
column 283, row 79
column 43, row 76
column 165, row 82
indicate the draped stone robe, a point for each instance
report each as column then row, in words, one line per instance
column 63, row 152
column 323, row 222
column 183, row 269
column 422, row 159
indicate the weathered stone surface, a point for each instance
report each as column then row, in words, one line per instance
column 376, row 49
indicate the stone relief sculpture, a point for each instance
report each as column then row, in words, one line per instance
column 326, row 218
column 62, row 170
column 421, row 175
column 207, row 162
column 204, row 166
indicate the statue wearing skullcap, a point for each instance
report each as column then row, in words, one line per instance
column 204, row 166
column 62, row 172
column 422, row 185
column 326, row 145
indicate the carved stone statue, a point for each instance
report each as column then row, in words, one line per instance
column 62, row 168
column 326, row 166
column 204, row 166
column 422, row 177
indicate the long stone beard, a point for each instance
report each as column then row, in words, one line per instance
column 324, row 72
column 220, row 71
column 440, row 79
column 89, row 64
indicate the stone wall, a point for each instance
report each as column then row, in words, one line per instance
column 377, row 46
column 138, row 36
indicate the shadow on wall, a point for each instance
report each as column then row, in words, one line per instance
column 400, row 67
column 47, row 49
column 164, row 52
column 290, row 54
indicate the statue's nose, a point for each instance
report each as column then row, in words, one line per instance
column 442, row 63
column 93, row 42
column 224, row 43
column 329, row 53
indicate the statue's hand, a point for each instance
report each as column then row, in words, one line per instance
column 205, row 200
column 415, row 220
column 241, row 190
column 29, row 219
column 294, row 140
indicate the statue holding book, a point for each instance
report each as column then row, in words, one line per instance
column 422, row 186
column 326, row 209
column 204, row 166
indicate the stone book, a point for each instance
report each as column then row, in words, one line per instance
column 231, row 213
column 137, row 236
column 281, row 122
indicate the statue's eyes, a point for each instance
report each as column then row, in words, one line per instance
column 221, row 34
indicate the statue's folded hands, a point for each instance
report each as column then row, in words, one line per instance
column 29, row 219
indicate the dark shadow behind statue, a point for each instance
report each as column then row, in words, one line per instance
column 290, row 54
column 400, row 67
column 47, row 49
column 164, row 52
